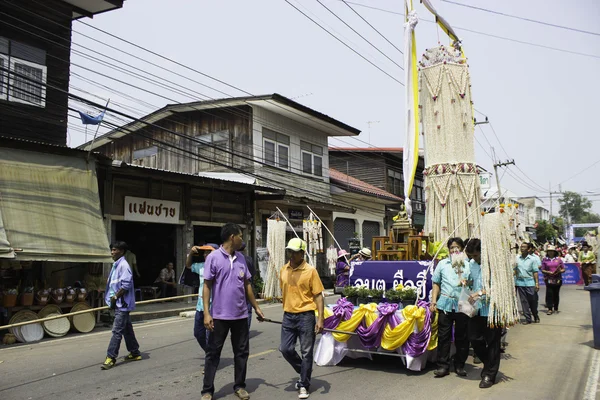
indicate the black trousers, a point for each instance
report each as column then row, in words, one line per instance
column 553, row 297
column 461, row 341
column 241, row 348
column 486, row 344
column 529, row 301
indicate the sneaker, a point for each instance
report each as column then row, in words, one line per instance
column 108, row 363
column 297, row 384
column 242, row 394
column 303, row 394
column 132, row 357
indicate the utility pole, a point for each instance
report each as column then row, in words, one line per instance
column 369, row 123
column 501, row 164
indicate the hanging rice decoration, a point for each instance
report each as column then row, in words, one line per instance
column 451, row 175
column 497, row 263
column 276, row 250
column 313, row 235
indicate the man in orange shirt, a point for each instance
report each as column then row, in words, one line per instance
column 302, row 295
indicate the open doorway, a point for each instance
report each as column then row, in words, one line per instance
column 207, row 234
column 153, row 245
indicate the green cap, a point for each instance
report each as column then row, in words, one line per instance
column 296, row 244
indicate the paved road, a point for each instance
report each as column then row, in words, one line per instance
column 551, row 360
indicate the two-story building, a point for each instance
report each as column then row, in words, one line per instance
column 382, row 168
column 535, row 210
column 270, row 139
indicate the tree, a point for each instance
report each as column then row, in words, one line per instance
column 544, row 231
column 574, row 205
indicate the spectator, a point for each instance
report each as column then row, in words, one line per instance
column 587, row 258
column 363, row 255
column 527, row 284
column 166, row 281
column 342, row 269
column 552, row 268
column 195, row 264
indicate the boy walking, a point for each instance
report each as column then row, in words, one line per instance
column 302, row 295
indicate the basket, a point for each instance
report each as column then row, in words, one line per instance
column 27, row 299
column 9, row 300
column 83, row 323
column 57, row 327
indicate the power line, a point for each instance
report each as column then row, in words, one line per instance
column 344, row 43
column 522, row 18
column 484, row 33
column 375, row 29
column 363, row 38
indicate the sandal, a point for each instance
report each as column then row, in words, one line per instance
column 549, row 312
column 207, row 396
column 242, row 394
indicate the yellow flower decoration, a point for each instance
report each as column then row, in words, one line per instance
column 400, row 287
column 502, row 205
column 516, row 206
column 509, row 205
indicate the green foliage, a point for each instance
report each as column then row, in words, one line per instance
column 545, row 231
column 376, row 293
column 392, row 295
column 579, row 209
column 363, row 292
column 408, row 293
column 350, row 291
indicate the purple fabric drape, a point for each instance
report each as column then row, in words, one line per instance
column 342, row 311
column 370, row 337
column 417, row 343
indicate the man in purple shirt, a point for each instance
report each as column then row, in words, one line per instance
column 227, row 280
column 120, row 296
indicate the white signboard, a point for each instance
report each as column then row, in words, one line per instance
column 151, row 210
column 484, row 180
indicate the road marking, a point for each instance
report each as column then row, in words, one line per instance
column 592, row 383
column 262, row 353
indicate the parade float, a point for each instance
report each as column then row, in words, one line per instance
column 439, row 106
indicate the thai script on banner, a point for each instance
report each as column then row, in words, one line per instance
column 385, row 275
column 151, row 210
column 572, row 275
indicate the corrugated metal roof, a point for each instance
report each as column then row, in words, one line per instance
column 360, row 186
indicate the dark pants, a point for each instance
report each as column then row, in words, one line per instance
column 249, row 314
column 167, row 290
column 299, row 326
column 200, row 332
column 461, row 341
column 241, row 349
column 486, row 344
column 553, row 296
column 529, row 301
column 122, row 328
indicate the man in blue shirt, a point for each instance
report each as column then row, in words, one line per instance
column 120, row 296
column 526, row 281
column 484, row 339
column 195, row 262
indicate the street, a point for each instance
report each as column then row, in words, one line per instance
column 550, row 360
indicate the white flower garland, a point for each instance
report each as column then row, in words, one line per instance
column 276, row 249
column 497, row 263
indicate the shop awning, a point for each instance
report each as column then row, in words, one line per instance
column 50, row 209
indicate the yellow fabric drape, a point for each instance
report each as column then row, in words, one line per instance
column 366, row 311
column 394, row 338
column 433, row 342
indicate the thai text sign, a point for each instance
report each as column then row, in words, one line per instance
column 386, row 275
column 151, row 210
column 572, row 275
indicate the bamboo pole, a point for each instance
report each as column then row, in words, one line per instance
column 37, row 321
column 295, row 233
column 328, row 231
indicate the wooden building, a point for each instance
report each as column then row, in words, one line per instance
column 382, row 168
column 269, row 139
column 35, row 51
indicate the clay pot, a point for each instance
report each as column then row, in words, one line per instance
column 42, row 297
column 81, row 294
column 57, row 296
column 70, row 295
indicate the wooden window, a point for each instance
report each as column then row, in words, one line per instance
column 214, row 151
column 145, row 157
column 395, row 182
column 25, row 80
column 312, row 158
column 276, row 149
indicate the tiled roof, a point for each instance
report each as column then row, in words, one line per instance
column 357, row 185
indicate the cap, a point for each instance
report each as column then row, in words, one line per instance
column 296, row 244
column 551, row 248
column 365, row 252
